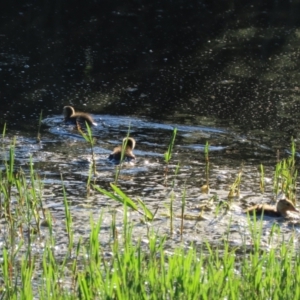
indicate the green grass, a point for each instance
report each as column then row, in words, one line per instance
column 134, row 269
column 138, row 272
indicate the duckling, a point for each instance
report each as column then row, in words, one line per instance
column 129, row 144
column 280, row 210
column 77, row 118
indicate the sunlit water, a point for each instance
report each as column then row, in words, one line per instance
column 63, row 158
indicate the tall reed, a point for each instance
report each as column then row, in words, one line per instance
column 285, row 177
column 168, row 154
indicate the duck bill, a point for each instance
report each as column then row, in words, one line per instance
column 295, row 209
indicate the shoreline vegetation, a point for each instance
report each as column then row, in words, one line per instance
column 135, row 268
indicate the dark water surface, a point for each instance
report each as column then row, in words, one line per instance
column 226, row 73
column 233, row 63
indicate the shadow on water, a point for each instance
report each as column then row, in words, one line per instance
column 235, row 62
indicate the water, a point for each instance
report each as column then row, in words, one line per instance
column 219, row 72
column 63, row 157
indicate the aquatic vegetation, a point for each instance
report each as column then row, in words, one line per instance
column 121, row 197
column 91, row 141
column 234, row 190
column 285, row 177
column 168, row 153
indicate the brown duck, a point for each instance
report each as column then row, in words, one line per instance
column 280, row 210
column 129, row 144
column 77, row 118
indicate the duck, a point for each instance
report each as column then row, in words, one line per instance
column 129, row 144
column 280, row 210
column 77, row 118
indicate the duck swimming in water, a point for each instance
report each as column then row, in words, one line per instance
column 129, row 144
column 280, row 210
column 77, row 118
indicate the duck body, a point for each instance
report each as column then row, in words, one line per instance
column 280, row 210
column 129, row 144
column 77, row 118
